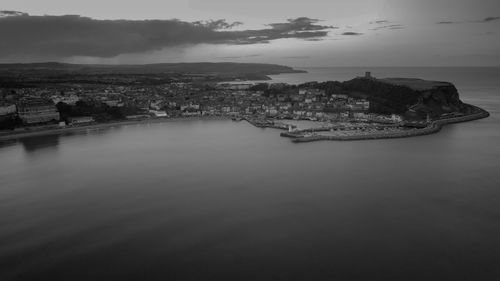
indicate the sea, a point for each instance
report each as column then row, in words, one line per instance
column 223, row 200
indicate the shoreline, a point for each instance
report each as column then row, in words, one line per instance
column 432, row 128
column 54, row 131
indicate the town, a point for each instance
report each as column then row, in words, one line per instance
column 361, row 108
column 80, row 104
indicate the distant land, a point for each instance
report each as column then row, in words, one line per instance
column 207, row 70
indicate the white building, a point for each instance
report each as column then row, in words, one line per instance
column 158, row 113
column 80, row 120
column 71, row 99
column 7, row 109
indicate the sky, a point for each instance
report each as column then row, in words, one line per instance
column 312, row 33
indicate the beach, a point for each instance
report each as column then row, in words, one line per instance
column 10, row 135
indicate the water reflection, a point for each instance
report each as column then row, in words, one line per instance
column 40, row 143
column 7, row 143
column 46, row 143
column 186, row 195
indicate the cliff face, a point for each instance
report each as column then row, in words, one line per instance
column 441, row 99
column 412, row 97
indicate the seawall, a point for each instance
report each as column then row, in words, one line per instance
column 432, row 128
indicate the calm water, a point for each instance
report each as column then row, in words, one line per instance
column 222, row 200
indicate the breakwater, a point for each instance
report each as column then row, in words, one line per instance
column 354, row 135
column 479, row 114
column 404, row 132
column 339, row 128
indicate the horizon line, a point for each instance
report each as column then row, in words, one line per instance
column 215, row 62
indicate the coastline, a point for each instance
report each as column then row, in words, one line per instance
column 432, row 128
column 5, row 136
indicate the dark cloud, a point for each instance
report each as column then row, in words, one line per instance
column 297, row 57
column 379, row 22
column 352, row 33
column 217, row 24
column 485, row 20
column 12, row 13
column 73, row 35
column 391, row 26
column 300, row 24
column 488, row 19
column 240, row 57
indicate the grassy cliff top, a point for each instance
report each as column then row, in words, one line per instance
column 415, row 83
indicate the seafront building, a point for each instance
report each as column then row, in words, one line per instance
column 40, row 111
column 7, row 108
column 80, row 120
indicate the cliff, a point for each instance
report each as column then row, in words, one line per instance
column 414, row 98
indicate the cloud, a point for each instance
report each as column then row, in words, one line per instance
column 379, row 22
column 447, row 22
column 11, row 13
column 240, row 57
column 217, row 24
column 385, row 25
column 485, row 20
column 488, row 19
column 73, row 35
column 390, row 26
column 350, row 33
column 297, row 57
column 300, row 24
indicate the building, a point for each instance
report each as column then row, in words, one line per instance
column 137, row 117
column 80, row 120
column 158, row 113
column 6, row 109
column 37, row 112
column 116, row 103
column 71, row 99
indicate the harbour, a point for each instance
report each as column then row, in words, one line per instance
column 352, row 131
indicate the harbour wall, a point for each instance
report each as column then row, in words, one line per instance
column 432, row 128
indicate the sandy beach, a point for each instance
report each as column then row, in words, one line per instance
column 11, row 135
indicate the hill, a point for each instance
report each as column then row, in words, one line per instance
column 411, row 97
column 181, row 68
